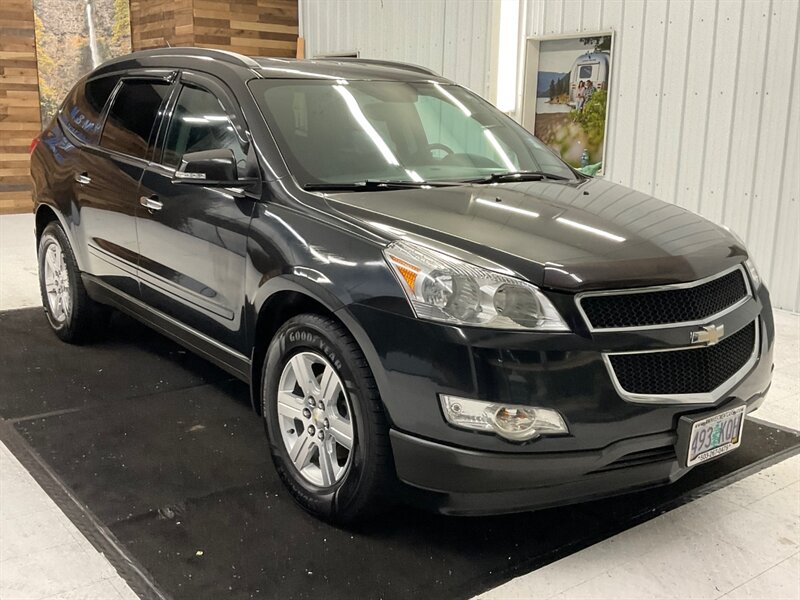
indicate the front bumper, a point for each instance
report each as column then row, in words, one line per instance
column 469, row 482
column 614, row 445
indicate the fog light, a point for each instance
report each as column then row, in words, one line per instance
column 511, row 421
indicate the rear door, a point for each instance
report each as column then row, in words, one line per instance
column 109, row 179
column 192, row 238
column 64, row 174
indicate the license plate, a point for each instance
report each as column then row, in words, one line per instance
column 715, row 435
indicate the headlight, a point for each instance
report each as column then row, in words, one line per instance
column 755, row 277
column 511, row 421
column 443, row 288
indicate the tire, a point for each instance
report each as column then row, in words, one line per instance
column 72, row 315
column 360, row 479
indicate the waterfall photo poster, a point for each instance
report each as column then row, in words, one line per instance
column 72, row 38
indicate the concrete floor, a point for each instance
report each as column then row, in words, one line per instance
column 742, row 541
column 42, row 554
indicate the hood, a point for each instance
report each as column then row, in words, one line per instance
column 575, row 237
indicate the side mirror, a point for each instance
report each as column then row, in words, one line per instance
column 210, row 168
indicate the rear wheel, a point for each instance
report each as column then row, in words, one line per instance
column 71, row 313
column 325, row 422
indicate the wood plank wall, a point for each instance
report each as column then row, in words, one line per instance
column 251, row 27
column 19, row 103
column 156, row 23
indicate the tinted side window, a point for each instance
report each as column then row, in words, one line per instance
column 83, row 108
column 132, row 115
column 199, row 123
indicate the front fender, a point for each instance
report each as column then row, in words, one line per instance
column 300, row 281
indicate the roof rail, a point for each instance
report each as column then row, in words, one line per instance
column 224, row 55
column 382, row 63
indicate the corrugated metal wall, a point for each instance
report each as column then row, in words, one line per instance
column 705, row 96
column 704, row 107
column 450, row 36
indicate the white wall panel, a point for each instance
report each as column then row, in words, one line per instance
column 699, row 75
column 628, row 89
column 612, row 13
column 773, row 128
column 451, row 37
column 650, row 87
column 591, row 16
column 746, row 125
column 722, row 104
column 704, row 112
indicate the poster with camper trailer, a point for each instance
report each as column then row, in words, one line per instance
column 72, row 38
column 572, row 98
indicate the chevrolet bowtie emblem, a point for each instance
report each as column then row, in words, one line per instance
column 709, row 335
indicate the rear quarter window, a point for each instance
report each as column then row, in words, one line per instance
column 132, row 116
column 82, row 110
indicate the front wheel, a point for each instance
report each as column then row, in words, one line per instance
column 325, row 422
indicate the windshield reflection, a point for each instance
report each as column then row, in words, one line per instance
column 346, row 132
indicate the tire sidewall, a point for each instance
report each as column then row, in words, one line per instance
column 54, row 234
column 311, row 335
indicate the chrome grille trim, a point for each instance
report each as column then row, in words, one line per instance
column 661, row 288
column 698, row 398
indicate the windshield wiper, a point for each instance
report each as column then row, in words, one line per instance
column 369, row 185
column 509, row 176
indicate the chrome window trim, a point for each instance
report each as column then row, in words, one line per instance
column 695, row 398
column 661, row 288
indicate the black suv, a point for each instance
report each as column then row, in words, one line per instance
column 425, row 301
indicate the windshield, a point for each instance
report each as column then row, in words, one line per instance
column 343, row 132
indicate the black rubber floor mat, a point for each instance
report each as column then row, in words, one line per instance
column 40, row 374
column 166, row 453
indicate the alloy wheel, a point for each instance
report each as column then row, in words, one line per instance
column 315, row 419
column 56, row 281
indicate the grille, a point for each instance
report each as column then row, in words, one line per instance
column 660, row 307
column 689, row 371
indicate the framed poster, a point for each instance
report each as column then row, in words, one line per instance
column 565, row 98
column 72, row 38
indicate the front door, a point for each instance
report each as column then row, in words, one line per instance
column 193, row 239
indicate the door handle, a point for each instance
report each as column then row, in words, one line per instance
column 151, row 203
column 83, row 178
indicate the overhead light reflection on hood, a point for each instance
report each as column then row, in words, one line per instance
column 590, row 229
column 500, row 205
column 575, row 277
